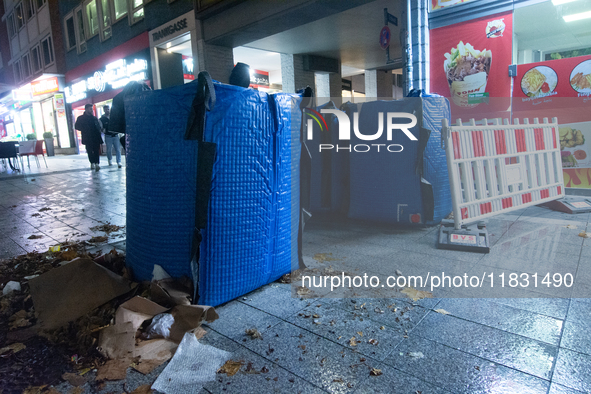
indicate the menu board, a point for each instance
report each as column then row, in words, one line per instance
column 469, row 64
column 560, row 89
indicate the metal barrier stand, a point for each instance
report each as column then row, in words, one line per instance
column 497, row 168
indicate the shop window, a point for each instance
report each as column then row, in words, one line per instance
column 11, row 26
column 47, row 46
column 104, row 11
column 26, row 65
column 30, row 8
column 20, row 21
column 35, row 59
column 136, row 11
column 119, row 9
column 41, row 3
column 92, row 20
column 70, row 32
column 80, row 31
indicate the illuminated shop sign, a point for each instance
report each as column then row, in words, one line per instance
column 22, row 94
column 115, row 75
column 44, row 86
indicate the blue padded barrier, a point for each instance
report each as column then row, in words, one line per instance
column 330, row 169
column 435, row 109
column 249, row 233
column 384, row 185
column 387, row 187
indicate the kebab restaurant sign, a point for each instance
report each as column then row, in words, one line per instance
column 470, row 59
column 114, row 76
column 44, row 86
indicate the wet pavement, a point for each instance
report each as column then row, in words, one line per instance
column 514, row 339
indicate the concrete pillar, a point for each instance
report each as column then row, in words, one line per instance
column 419, row 36
column 378, row 83
column 216, row 60
column 322, row 85
column 329, row 85
column 293, row 76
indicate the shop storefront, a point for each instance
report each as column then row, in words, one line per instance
column 38, row 108
column 172, row 49
column 492, row 60
column 100, row 81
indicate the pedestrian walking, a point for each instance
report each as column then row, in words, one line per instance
column 90, row 128
column 111, row 138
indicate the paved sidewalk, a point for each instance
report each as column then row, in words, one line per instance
column 525, row 344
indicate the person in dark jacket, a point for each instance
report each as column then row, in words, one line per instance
column 90, row 128
column 111, row 138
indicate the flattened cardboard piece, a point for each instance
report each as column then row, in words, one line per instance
column 152, row 353
column 72, row 290
column 189, row 317
column 113, row 370
column 117, row 341
column 170, row 292
column 137, row 310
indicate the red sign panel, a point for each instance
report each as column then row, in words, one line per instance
column 469, row 64
column 562, row 89
column 44, row 86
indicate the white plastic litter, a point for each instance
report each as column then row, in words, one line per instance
column 10, row 287
column 158, row 273
column 192, row 366
column 160, row 326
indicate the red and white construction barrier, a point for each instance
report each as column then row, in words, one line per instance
column 497, row 168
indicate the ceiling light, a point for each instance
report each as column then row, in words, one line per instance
column 168, row 44
column 169, row 50
column 559, row 2
column 576, row 17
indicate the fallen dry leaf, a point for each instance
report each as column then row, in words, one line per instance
column 373, row 342
column 74, row 379
column 145, row 389
column 19, row 319
column 375, row 372
column 415, row 294
column 442, row 311
column 34, row 390
column 360, row 333
column 35, row 236
column 96, row 240
column 584, row 234
column 382, row 328
column 353, row 342
column 15, row 347
column 302, row 291
column 69, row 255
column 45, row 209
column 253, row 333
column 106, row 228
column 231, row 367
column 322, row 257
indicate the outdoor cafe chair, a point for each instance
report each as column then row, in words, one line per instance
column 32, row 148
column 9, row 150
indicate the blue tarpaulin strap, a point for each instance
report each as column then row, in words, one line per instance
column 204, row 101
